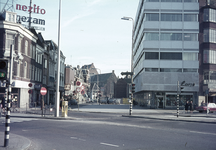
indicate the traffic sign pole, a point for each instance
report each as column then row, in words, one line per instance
column 43, row 92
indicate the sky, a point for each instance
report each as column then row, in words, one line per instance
column 91, row 30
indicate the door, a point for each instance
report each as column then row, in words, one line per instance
column 160, row 102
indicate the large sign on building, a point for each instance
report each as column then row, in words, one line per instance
column 32, row 10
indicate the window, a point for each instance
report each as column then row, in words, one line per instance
column 171, row 17
column 151, row 17
column 209, row 76
column 209, row 56
column 151, row 55
column 170, row 56
column 151, row 36
column 151, row 69
column 190, row 56
column 18, row 68
column 209, row 15
column 171, row 36
column 152, row 0
column 19, row 44
column 26, row 47
column 209, row 35
column 25, row 70
column 191, row 1
column 190, row 37
column 10, row 40
column 190, row 17
column 170, row 70
column 45, row 63
column 189, row 70
column 171, row 0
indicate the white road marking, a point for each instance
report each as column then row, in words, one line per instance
column 75, row 138
column 203, row 133
column 109, row 144
column 81, row 139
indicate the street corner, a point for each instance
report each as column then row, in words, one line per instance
column 16, row 142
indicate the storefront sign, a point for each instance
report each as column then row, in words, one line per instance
column 30, row 19
column 187, row 84
column 35, row 9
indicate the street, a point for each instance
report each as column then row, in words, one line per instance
column 108, row 131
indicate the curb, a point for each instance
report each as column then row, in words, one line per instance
column 177, row 119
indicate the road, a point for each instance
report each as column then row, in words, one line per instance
column 108, row 131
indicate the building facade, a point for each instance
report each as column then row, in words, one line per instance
column 207, row 51
column 165, row 51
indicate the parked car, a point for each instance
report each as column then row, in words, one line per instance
column 103, row 101
column 72, row 102
column 203, row 107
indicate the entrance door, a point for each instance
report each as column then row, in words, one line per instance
column 160, row 101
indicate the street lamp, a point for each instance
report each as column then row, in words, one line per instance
column 131, row 19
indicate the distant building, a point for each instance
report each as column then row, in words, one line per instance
column 106, row 83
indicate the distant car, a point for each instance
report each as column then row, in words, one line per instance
column 111, row 101
column 203, row 107
column 72, row 102
column 103, row 101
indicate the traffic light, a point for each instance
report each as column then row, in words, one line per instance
column 133, row 87
column 181, row 88
column 3, row 69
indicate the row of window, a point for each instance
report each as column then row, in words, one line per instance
column 171, row 70
column 188, row 1
column 155, row 36
column 170, row 17
column 171, row 56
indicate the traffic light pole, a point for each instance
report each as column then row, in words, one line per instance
column 7, row 117
column 178, row 91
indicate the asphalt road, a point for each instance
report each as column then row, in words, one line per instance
column 104, row 131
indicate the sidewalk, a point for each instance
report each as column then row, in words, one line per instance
column 16, row 142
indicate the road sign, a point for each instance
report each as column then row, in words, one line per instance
column 30, row 91
column 82, row 92
column 78, row 83
column 43, row 91
column 30, row 84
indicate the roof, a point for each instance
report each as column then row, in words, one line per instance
column 101, row 77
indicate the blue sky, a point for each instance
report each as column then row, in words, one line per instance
column 91, row 31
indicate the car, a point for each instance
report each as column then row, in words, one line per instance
column 203, row 107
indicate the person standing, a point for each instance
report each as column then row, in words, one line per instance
column 191, row 106
column 186, row 107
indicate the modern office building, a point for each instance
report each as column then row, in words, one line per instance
column 207, row 54
column 165, row 52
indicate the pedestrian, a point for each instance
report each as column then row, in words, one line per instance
column 191, row 106
column 186, row 107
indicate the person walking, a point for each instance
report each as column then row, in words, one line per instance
column 191, row 106
column 186, row 106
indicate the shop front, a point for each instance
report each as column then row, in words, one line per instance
column 165, row 100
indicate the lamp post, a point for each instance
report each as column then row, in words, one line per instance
column 131, row 19
column 58, row 64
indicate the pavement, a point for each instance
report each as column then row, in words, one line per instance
column 17, row 142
